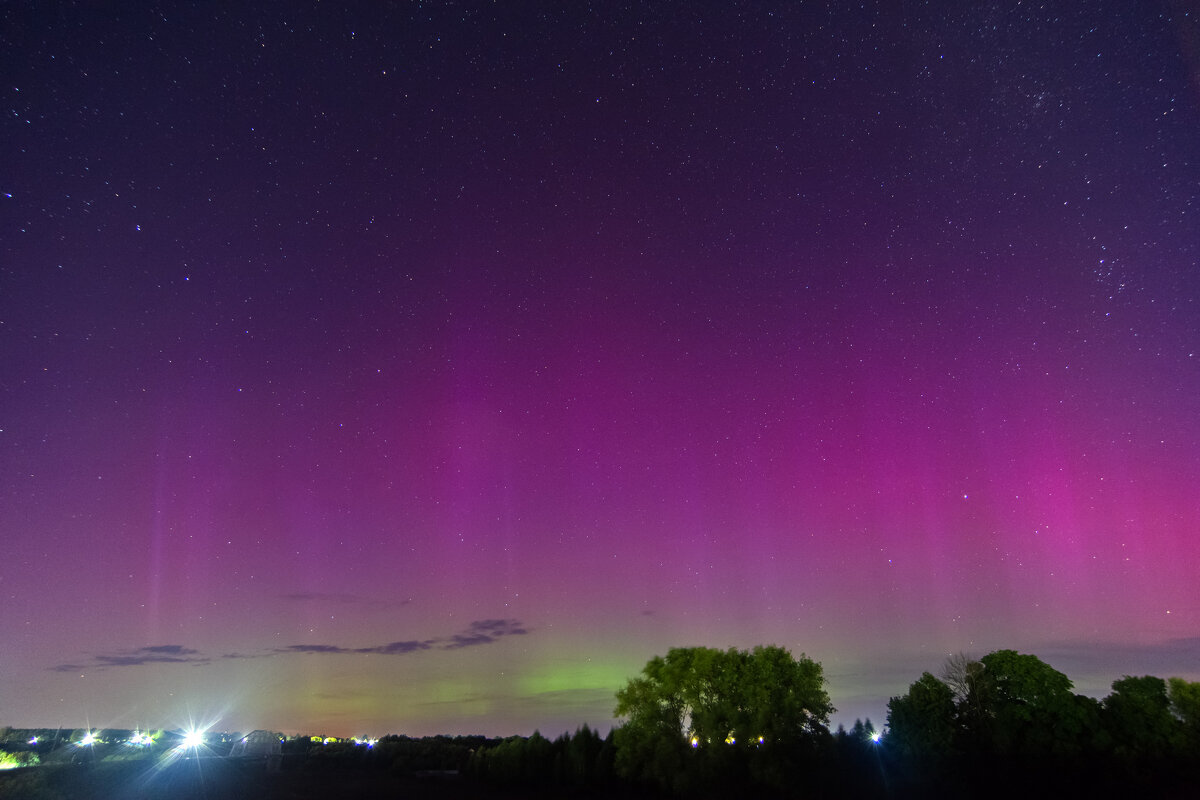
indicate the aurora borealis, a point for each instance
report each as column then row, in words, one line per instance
column 427, row 368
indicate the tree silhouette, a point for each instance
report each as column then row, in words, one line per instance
column 701, row 716
column 1184, row 698
column 921, row 724
column 1138, row 719
column 1030, row 708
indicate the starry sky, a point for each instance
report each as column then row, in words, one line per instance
column 428, row 367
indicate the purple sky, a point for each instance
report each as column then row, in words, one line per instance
column 373, row 368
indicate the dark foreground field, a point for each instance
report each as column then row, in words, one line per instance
column 233, row 779
column 301, row 778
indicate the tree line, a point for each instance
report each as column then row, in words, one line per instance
column 1013, row 718
column 700, row 722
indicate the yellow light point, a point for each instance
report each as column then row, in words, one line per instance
column 730, row 740
column 695, row 741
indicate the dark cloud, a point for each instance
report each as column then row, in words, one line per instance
column 498, row 627
column 459, row 640
column 479, row 632
column 397, row 648
column 313, row 648
column 154, row 654
column 138, row 660
column 169, row 650
column 483, row 631
column 389, row 649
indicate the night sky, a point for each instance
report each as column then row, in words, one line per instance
column 428, row 367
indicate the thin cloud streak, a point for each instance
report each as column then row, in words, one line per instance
column 154, row 654
column 479, row 632
column 1173, row 656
